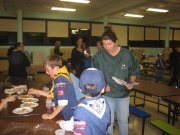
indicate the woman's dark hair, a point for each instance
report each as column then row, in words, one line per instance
column 109, row 35
column 108, row 28
column 10, row 50
column 77, row 41
column 174, row 47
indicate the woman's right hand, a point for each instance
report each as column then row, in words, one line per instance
column 107, row 88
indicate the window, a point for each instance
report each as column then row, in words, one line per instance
column 30, row 38
column 8, row 38
column 75, row 33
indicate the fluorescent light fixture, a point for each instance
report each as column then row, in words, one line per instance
column 63, row 9
column 84, row 29
column 77, row 1
column 134, row 15
column 157, row 10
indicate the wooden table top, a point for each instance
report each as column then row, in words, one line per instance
column 155, row 89
column 173, row 99
column 6, row 115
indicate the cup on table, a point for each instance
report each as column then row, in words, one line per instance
column 49, row 104
column 60, row 132
column 5, row 104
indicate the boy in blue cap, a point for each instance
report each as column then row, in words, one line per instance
column 92, row 114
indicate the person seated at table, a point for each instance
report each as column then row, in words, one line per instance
column 62, row 90
column 57, row 48
column 18, row 62
column 159, row 66
column 8, row 99
column 92, row 114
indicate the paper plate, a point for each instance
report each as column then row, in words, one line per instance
column 30, row 100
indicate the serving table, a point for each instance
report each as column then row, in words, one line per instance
column 7, row 116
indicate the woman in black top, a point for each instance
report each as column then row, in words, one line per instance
column 77, row 58
column 57, row 48
column 18, row 62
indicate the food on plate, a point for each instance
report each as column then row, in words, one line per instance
column 22, row 110
column 20, row 90
column 29, row 104
column 9, row 91
column 30, row 100
column 25, row 96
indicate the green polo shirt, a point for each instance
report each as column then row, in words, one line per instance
column 122, row 66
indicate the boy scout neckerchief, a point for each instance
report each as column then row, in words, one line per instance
column 61, row 72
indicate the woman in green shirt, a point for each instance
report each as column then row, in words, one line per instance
column 116, row 61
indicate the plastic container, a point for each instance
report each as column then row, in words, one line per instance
column 49, row 104
column 5, row 106
column 60, row 132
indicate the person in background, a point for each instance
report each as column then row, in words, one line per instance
column 18, row 62
column 8, row 99
column 173, row 59
column 92, row 114
column 99, row 45
column 87, row 53
column 62, row 90
column 57, row 48
column 77, row 58
column 143, row 57
column 160, row 66
column 116, row 61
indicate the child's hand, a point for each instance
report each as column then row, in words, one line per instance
column 47, row 116
column 34, row 92
column 11, row 98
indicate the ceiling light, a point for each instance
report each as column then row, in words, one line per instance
column 133, row 15
column 77, row 1
column 63, row 9
column 157, row 10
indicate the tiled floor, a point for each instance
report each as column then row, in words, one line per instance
column 135, row 123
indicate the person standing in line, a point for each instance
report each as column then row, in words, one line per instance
column 18, row 62
column 160, row 66
column 77, row 58
column 57, row 48
column 92, row 113
column 87, row 53
column 116, row 61
column 173, row 59
column 99, row 45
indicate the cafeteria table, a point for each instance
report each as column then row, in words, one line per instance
column 155, row 90
column 173, row 100
column 7, row 116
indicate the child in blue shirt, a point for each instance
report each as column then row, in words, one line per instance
column 92, row 114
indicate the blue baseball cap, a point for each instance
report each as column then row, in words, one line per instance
column 92, row 76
